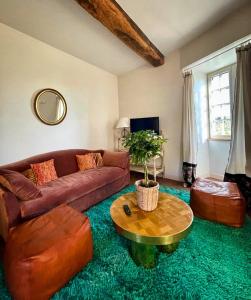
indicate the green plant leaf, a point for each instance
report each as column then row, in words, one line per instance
column 143, row 145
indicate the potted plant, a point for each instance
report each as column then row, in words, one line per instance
column 144, row 145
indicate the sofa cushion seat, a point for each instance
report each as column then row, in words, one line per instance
column 69, row 188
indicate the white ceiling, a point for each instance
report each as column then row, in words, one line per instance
column 169, row 24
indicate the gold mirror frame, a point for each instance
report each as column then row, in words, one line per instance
column 40, row 117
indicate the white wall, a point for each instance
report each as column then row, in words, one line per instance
column 28, row 65
column 218, row 156
column 230, row 29
column 148, row 92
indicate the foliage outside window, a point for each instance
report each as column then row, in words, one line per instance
column 219, row 98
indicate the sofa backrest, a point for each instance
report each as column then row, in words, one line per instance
column 64, row 160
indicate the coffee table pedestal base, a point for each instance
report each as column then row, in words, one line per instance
column 168, row 248
column 146, row 255
column 143, row 255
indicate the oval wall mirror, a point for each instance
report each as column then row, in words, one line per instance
column 50, row 106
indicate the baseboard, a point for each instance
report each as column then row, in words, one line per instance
column 217, row 176
column 174, row 178
column 202, row 175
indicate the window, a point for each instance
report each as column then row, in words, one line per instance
column 219, row 98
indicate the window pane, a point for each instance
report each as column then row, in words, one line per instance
column 220, row 96
column 216, row 127
column 215, row 82
column 225, row 110
column 219, row 104
column 214, row 97
column 224, row 96
column 215, row 112
column 220, row 120
column 224, row 80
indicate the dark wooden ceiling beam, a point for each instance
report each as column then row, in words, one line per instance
column 113, row 17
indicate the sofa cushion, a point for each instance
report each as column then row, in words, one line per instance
column 44, row 171
column 23, row 188
column 86, row 162
column 69, row 188
column 116, row 159
column 98, row 159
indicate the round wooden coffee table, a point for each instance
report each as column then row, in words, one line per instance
column 164, row 227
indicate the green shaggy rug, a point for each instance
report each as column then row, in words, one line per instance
column 213, row 262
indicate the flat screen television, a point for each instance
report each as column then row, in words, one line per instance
column 145, row 124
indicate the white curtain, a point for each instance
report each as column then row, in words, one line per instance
column 189, row 132
column 240, row 150
column 239, row 165
column 246, row 62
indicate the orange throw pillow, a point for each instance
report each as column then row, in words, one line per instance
column 86, row 162
column 44, row 172
column 98, row 159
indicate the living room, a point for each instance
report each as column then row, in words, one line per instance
column 108, row 64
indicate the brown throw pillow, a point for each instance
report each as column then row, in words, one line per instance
column 44, row 171
column 19, row 185
column 86, row 162
column 98, row 159
column 30, row 175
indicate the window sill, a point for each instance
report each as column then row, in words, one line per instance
column 219, row 139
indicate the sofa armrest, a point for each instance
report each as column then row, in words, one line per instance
column 116, row 159
column 10, row 214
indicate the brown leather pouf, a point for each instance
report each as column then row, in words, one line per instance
column 218, row 201
column 42, row 254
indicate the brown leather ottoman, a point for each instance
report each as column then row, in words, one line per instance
column 42, row 254
column 218, row 201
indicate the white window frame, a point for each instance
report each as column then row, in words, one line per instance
column 230, row 69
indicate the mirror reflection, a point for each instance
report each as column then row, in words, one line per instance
column 50, row 106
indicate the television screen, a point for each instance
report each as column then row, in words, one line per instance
column 145, row 124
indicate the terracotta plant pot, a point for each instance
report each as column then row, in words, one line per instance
column 147, row 197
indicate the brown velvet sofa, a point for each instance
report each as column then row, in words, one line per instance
column 79, row 189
